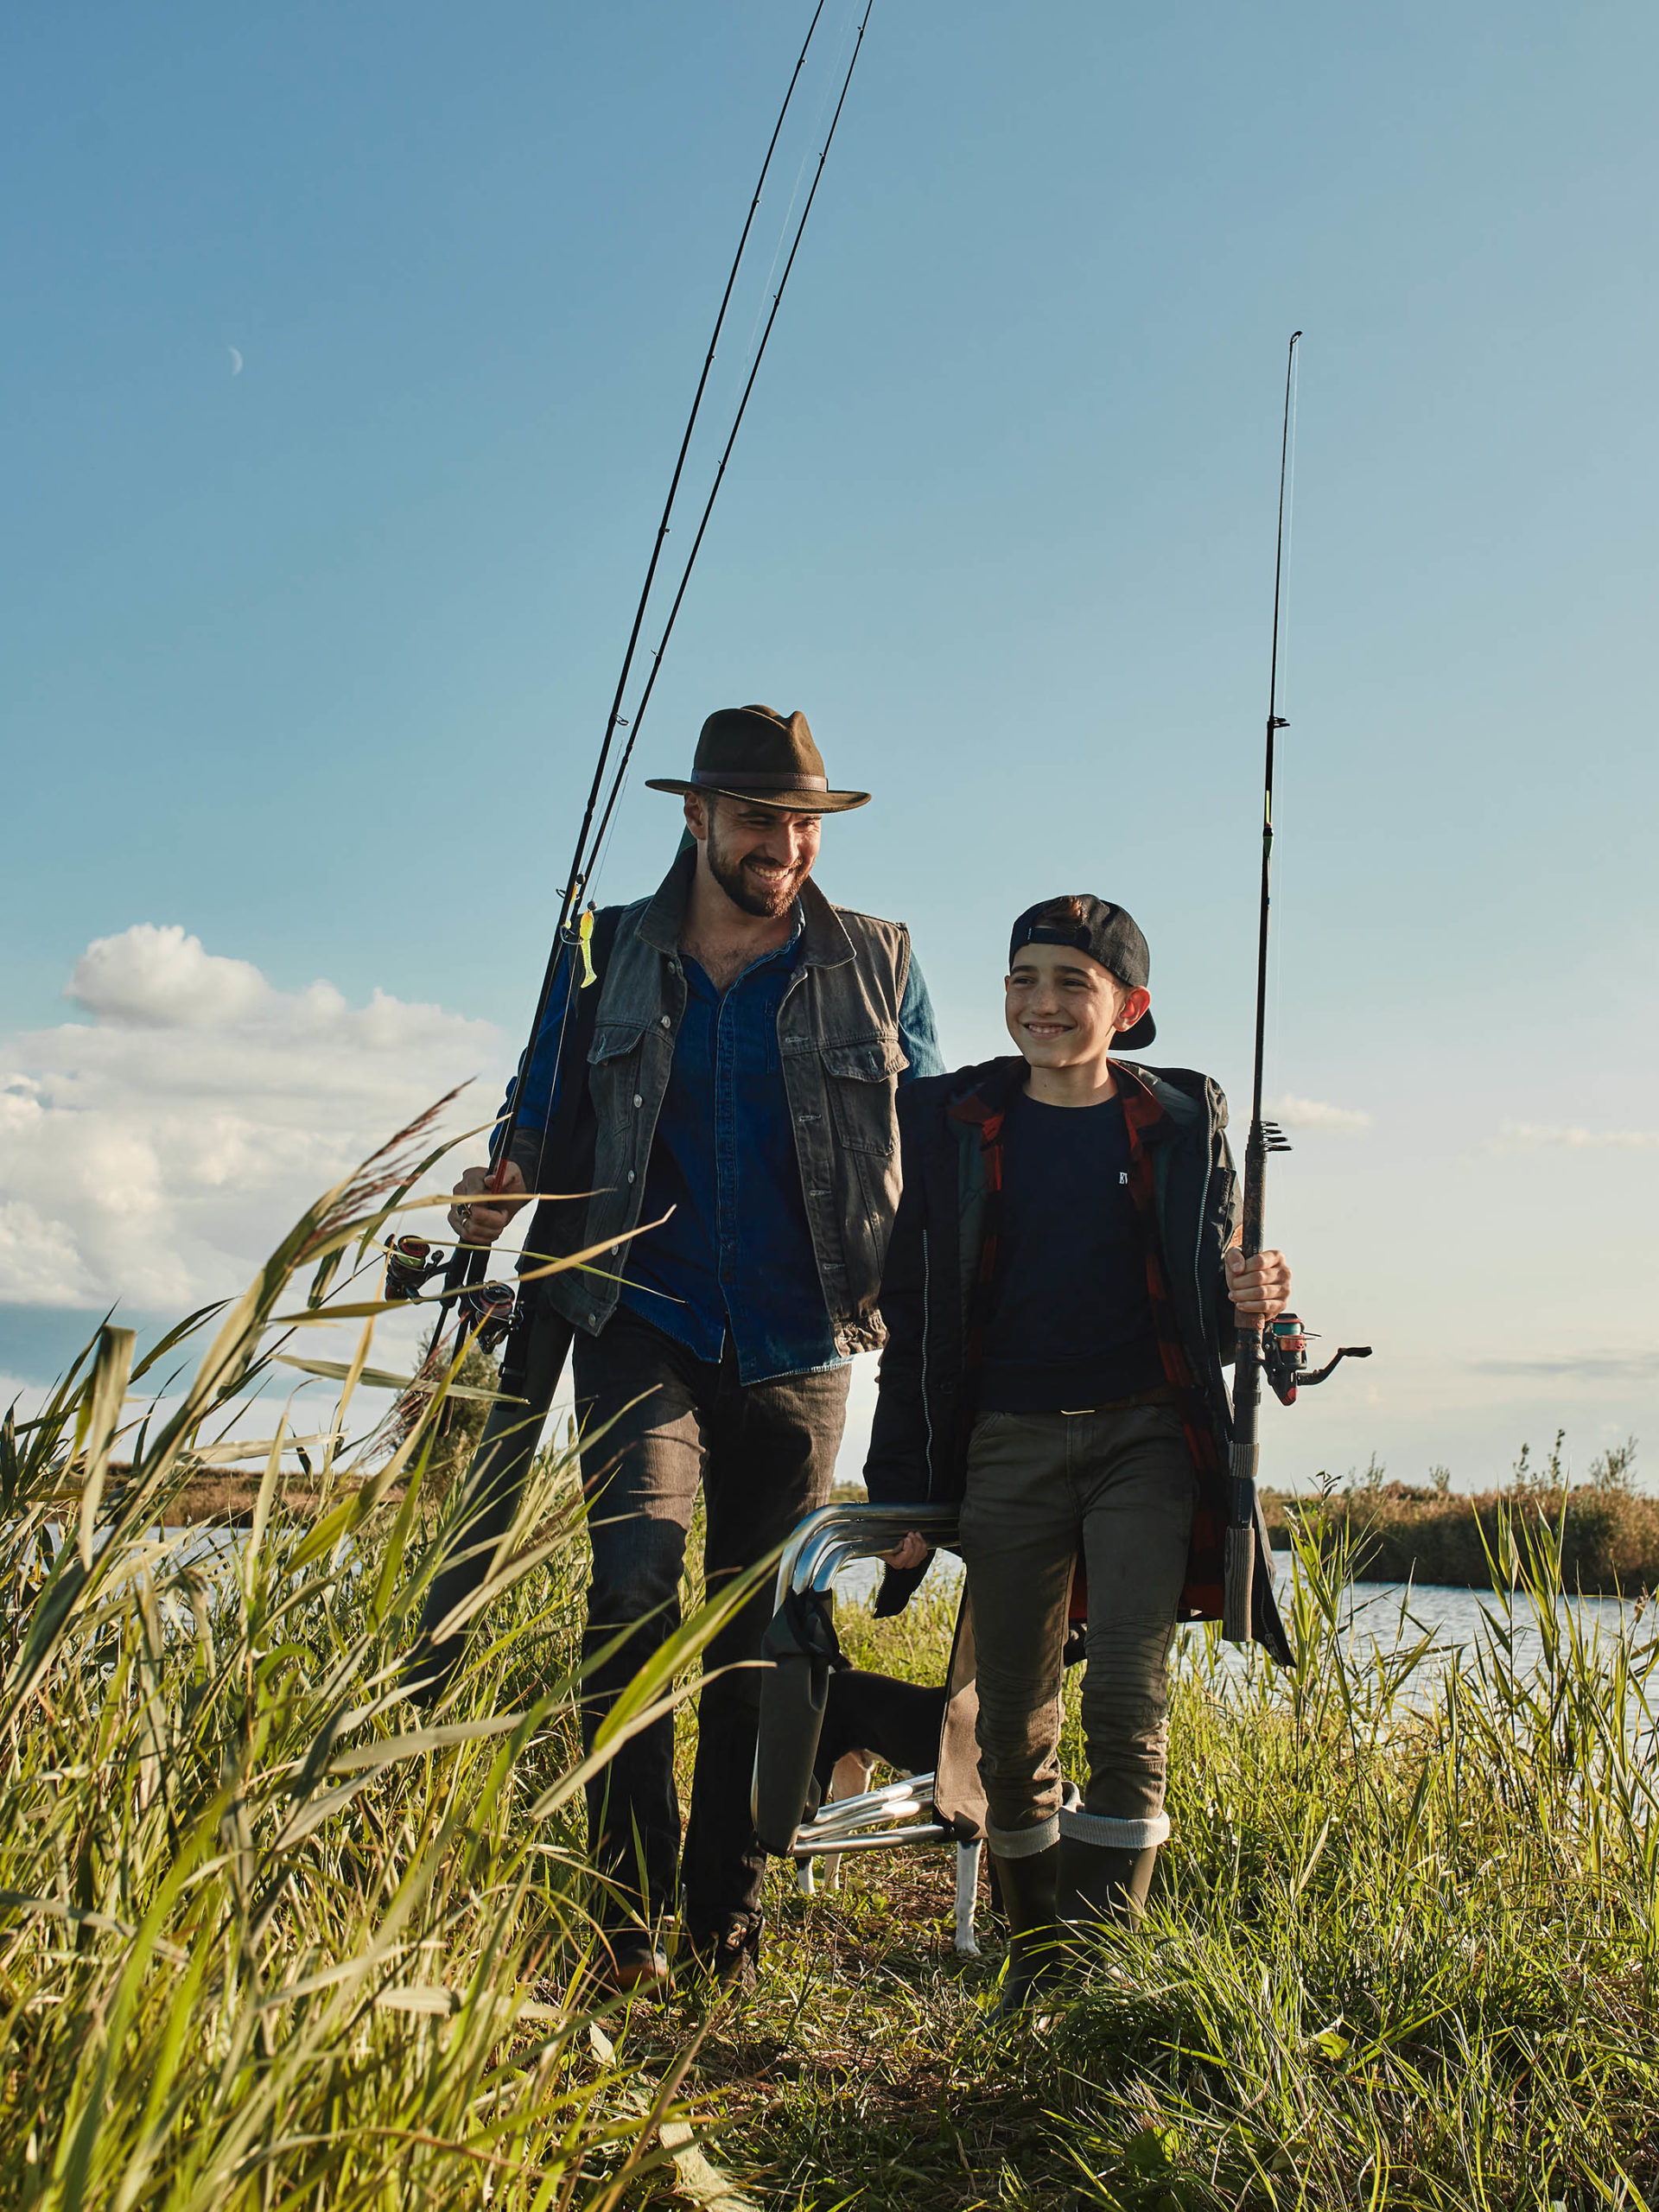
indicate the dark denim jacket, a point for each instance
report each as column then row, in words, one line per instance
column 764, row 1117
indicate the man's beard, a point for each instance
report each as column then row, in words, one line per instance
column 767, row 897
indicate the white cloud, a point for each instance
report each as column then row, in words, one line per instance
column 160, row 977
column 156, row 1153
column 1292, row 1113
column 1532, row 1136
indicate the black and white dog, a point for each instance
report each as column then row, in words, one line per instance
column 875, row 1720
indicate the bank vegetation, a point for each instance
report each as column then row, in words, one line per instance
column 273, row 1939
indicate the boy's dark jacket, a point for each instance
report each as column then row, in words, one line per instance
column 941, row 1264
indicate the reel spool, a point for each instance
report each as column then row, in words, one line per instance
column 411, row 1262
column 1284, row 1358
column 486, row 1313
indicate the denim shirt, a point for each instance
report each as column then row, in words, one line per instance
column 736, row 1251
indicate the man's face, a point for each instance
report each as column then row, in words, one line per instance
column 758, row 856
column 1063, row 1008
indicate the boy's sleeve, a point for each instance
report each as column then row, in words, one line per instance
column 1223, row 1205
column 896, row 1471
column 918, row 1032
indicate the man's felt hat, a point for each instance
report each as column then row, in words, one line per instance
column 766, row 759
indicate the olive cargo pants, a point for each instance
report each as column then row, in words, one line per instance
column 1120, row 1487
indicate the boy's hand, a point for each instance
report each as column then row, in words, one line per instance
column 477, row 1223
column 1259, row 1288
column 911, row 1553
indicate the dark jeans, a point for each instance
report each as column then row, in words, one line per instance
column 765, row 1458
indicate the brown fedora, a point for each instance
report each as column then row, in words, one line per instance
column 768, row 759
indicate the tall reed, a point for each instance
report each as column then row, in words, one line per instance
column 269, row 1937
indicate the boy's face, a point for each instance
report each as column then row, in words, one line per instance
column 1063, row 1008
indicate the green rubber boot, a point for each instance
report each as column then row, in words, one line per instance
column 1030, row 1891
column 1098, row 1884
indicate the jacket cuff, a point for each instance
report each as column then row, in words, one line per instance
column 526, row 1154
column 899, row 1585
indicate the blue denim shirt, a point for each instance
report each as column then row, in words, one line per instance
column 735, row 1251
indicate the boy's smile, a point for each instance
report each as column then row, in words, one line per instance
column 1064, row 1011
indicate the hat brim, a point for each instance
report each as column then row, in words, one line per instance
column 1133, row 1041
column 784, row 802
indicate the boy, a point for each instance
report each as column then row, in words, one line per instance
column 1061, row 1293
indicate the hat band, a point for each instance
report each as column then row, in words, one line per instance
column 757, row 781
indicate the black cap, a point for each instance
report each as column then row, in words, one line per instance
column 1106, row 933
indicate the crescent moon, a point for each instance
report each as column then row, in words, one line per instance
column 236, row 360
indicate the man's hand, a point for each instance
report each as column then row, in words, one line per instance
column 473, row 1222
column 911, row 1553
column 1260, row 1288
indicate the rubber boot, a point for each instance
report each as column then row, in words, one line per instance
column 1098, row 1884
column 1029, row 1889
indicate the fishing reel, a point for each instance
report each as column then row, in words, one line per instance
column 485, row 1313
column 411, row 1262
column 1284, row 1357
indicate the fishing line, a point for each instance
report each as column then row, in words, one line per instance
column 831, row 78
column 714, row 492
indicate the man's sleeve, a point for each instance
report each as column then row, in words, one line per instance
column 916, row 1030
column 541, row 1076
column 896, row 1471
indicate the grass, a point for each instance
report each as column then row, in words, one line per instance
column 1402, row 1951
column 1603, row 1532
column 270, row 1940
column 269, row 1937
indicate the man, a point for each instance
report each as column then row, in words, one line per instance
column 747, row 1043
column 1063, row 1289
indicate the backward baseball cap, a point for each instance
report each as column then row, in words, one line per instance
column 1107, row 933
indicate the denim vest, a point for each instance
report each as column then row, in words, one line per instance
column 839, row 1049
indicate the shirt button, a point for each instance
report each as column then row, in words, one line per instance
column 667, row 1024
column 638, row 1100
column 630, row 1174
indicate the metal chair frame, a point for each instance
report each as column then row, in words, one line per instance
column 825, row 1542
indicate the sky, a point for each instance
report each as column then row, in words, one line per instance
column 349, row 349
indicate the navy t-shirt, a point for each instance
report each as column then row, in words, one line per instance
column 1070, row 1324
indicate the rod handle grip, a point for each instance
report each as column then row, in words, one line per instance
column 1237, row 1582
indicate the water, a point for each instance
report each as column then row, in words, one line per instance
column 1382, row 1615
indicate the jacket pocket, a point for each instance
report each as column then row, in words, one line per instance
column 859, row 1078
column 612, row 1039
column 613, row 1072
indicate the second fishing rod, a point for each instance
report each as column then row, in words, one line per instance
column 1280, row 1348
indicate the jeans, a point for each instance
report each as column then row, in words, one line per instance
column 1121, row 1486
column 766, row 1457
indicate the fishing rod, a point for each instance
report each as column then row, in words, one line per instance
column 465, row 1268
column 1280, row 1351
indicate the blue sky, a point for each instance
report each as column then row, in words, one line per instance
column 308, row 662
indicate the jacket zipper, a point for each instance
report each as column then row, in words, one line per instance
column 927, row 1324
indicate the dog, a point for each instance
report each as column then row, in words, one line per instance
column 875, row 1720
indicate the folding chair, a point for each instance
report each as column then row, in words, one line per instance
column 945, row 1806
